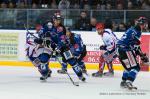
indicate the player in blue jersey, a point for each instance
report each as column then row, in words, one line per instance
column 77, row 48
column 57, row 35
column 127, row 53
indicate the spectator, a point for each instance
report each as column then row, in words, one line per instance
column 98, row 7
column 146, row 5
column 3, row 5
column 103, row 7
column 115, row 26
column 92, row 26
column 76, row 6
column 53, row 4
column 108, row 24
column 119, row 6
column 34, row 6
column 108, row 6
column 146, row 28
column 10, row 5
column 24, row 3
column 130, row 5
column 83, row 2
column 64, row 4
column 83, row 22
column 121, row 27
column 21, row 5
column 86, row 7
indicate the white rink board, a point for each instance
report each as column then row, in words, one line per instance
column 91, row 39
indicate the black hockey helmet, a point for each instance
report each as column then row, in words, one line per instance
column 141, row 20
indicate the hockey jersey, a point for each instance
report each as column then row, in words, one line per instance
column 76, row 44
column 129, row 39
column 109, row 39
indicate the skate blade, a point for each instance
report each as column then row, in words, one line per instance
column 133, row 88
column 43, row 81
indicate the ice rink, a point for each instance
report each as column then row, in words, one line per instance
column 24, row 83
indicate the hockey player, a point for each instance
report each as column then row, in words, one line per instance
column 109, row 39
column 127, row 53
column 58, row 37
column 78, row 49
column 39, row 52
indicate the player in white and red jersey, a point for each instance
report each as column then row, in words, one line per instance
column 109, row 47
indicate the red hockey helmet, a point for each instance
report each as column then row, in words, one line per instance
column 99, row 26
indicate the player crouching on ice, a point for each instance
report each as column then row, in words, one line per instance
column 109, row 39
column 77, row 48
column 39, row 52
column 127, row 53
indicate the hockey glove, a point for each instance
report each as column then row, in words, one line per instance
column 144, row 58
column 102, row 47
column 38, row 41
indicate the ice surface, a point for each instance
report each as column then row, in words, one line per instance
column 24, row 83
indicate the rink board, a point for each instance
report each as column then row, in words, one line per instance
column 12, row 49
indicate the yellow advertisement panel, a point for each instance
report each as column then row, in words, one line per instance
column 9, row 46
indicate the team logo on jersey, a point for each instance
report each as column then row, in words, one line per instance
column 63, row 37
column 60, row 29
column 76, row 46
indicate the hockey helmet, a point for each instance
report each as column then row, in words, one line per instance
column 99, row 26
column 141, row 20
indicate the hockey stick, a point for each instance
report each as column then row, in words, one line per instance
column 29, row 31
column 74, row 83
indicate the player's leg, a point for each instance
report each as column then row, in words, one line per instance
column 110, row 70
column 63, row 63
column 128, row 60
column 99, row 73
column 81, row 58
column 134, row 69
column 69, row 58
column 82, row 65
column 43, row 67
column 76, row 68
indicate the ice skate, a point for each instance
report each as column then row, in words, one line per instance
column 97, row 74
column 109, row 74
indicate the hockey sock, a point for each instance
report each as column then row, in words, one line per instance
column 77, row 70
column 101, row 64
column 82, row 65
column 132, row 74
column 125, row 75
column 110, row 67
column 64, row 66
column 43, row 69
